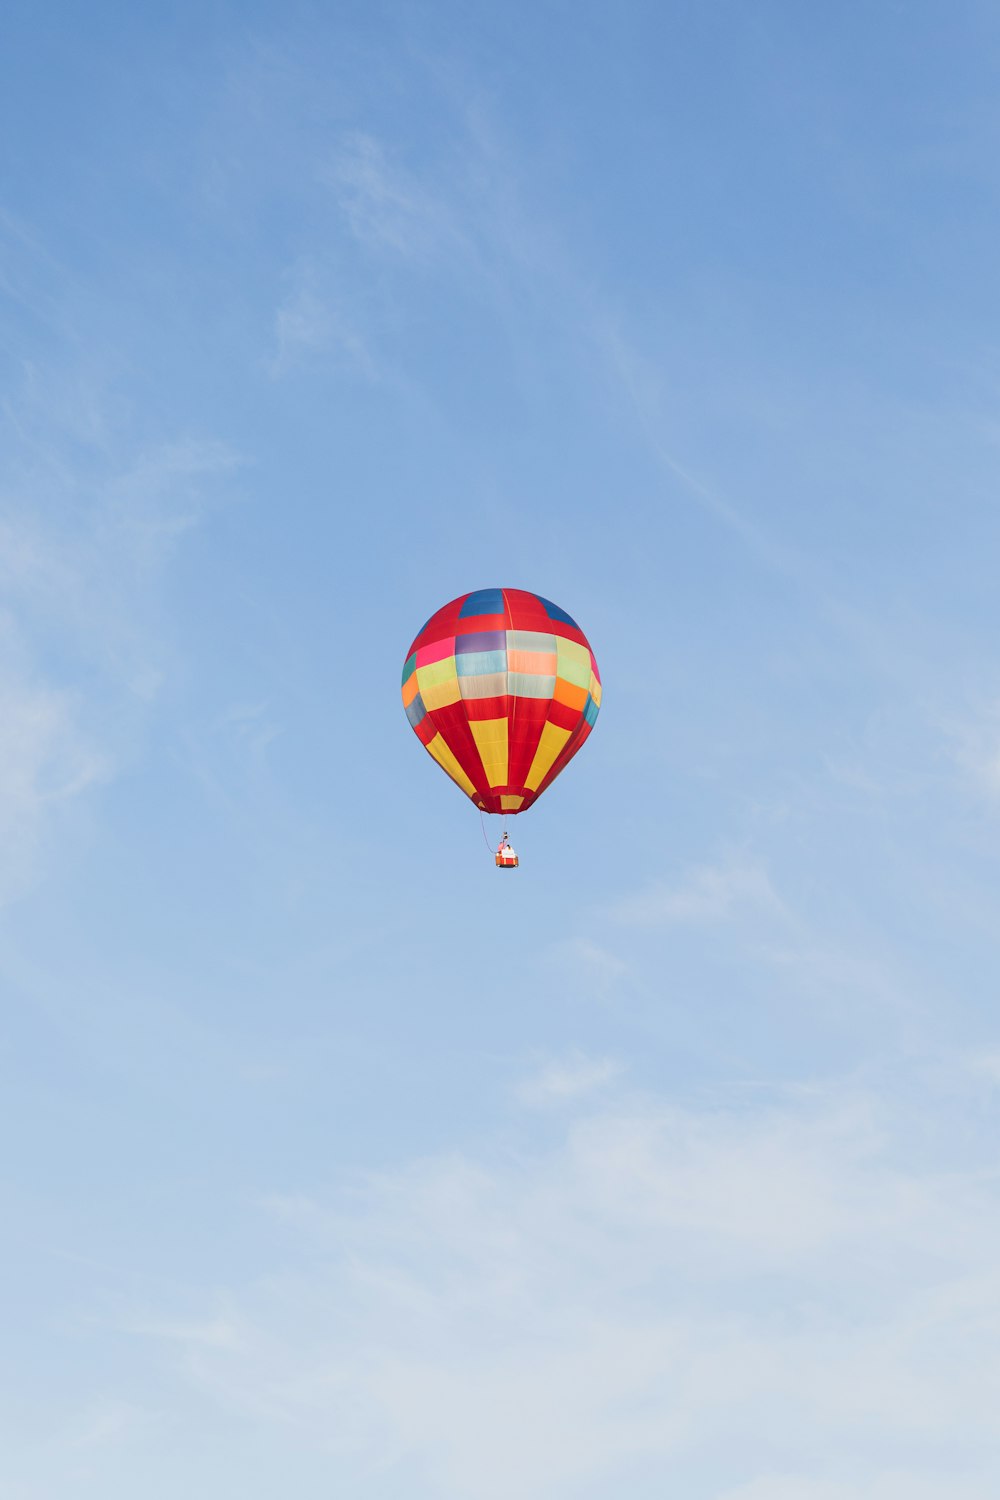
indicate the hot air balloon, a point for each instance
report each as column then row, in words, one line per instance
column 501, row 688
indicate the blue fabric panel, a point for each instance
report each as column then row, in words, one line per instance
column 482, row 602
column 408, row 667
column 590, row 711
column 481, row 640
column 474, row 663
column 555, row 613
column 415, row 711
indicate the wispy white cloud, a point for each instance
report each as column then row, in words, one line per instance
column 568, row 1079
column 311, row 323
column 212, row 1333
column 975, row 748
column 646, row 388
column 899, row 1483
column 81, row 552
column 594, row 963
column 779, row 1286
column 708, row 894
column 470, row 216
column 463, row 216
column 986, row 1064
column 846, row 976
column 109, row 1422
column 46, row 758
column 89, row 520
column 390, row 209
column 801, row 957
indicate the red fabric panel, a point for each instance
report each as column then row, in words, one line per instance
column 527, row 720
column 486, row 708
column 453, row 725
column 562, row 715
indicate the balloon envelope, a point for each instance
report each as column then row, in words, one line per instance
column 501, row 688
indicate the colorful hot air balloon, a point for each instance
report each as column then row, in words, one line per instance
column 502, row 688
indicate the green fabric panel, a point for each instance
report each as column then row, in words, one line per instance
column 574, row 663
column 531, row 640
column 530, row 685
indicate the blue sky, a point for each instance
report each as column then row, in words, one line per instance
column 333, row 1163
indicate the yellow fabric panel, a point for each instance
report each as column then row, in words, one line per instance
column 573, row 651
column 439, row 749
column 409, row 689
column 490, row 736
column 570, row 694
column 510, row 804
column 438, row 683
column 552, row 741
column 441, row 695
column 595, row 689
column 436, row 672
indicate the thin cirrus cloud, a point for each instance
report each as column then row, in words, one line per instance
column 311, row 324
column 974, row 742
column 707, row 894
column 47, row 758
column 568, row 1080
column 594, row 963
column 708, row 1291
column 390, row 210
column 282, row 1221
column 899, row 1484
column 84, row 546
